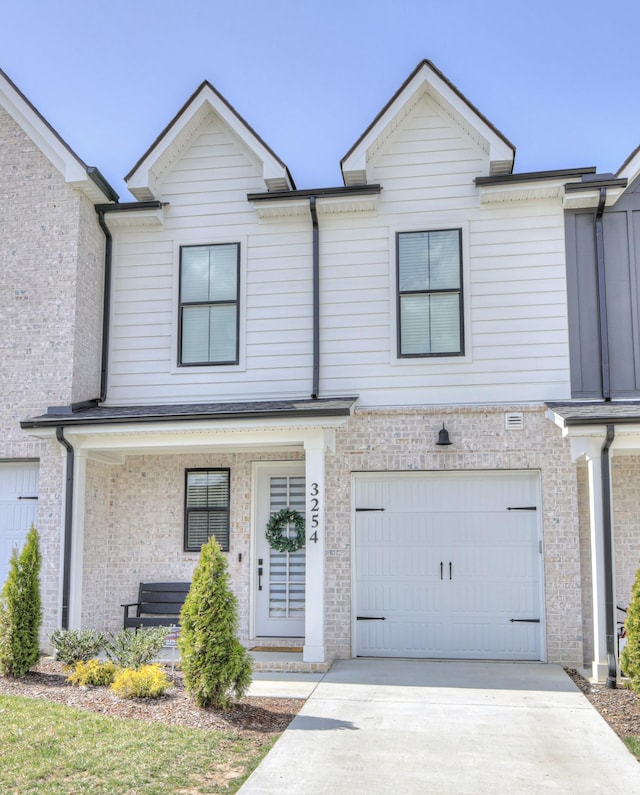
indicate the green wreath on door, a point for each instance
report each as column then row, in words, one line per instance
column 276, row 526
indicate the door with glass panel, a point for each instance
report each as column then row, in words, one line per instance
column 279, row 576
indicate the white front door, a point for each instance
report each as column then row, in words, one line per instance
column 279, row 576
column 18, row 508
column 448, row 565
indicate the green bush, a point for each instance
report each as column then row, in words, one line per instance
column 216, row 666
column 630, row 657
column 150, row 681
column 133, row 649
column 93, row 672
column 20, row 610
column 73, row 645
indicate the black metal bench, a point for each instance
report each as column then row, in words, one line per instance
column 159, row 605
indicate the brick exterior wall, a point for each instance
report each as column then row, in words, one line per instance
column 134, row 529
column 51, row 263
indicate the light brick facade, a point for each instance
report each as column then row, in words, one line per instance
column 135, row 513
column 51, row 271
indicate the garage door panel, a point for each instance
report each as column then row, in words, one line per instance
column 448, row 565
column 401, row 638
column 18, row 508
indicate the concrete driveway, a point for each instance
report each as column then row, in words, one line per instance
column 405, row 727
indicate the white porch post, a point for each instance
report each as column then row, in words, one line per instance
column 594, row 467
column 77, row 542
column 314, row 644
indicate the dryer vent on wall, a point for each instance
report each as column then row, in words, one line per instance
column 514, row 421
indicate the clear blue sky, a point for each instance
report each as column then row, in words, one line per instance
column 560, row 79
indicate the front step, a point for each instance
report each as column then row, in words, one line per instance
column 285, row 661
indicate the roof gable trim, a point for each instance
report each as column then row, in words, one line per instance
column 182, row 129
column 74, row 171
column 427, row 79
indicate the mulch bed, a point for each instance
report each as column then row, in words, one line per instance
column 251, row 715
column 620, row 707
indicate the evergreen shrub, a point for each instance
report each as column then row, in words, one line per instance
column 630, row 657
column 73, row 645
column 21, row 610
column 150, row 681
column 93, row 672
column 135, row 648
column 216, row 666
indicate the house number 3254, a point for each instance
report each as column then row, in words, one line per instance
column 314, row 511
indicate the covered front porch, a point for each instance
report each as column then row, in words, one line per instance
column 128, row 501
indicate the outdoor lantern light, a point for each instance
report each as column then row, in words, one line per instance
column 443, row 437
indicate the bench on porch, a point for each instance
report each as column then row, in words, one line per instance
column 159, row 605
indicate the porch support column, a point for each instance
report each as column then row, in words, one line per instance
column 77, row 544
column 315, row 445
column 596, row 517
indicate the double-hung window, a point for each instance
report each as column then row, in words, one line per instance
column 209, row 287
column 430, row 317
column 206, row 508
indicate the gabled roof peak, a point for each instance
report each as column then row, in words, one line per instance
column 427, row 78
column 206, row 99
column 75, row 171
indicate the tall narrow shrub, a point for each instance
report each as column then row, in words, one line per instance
column 630, row 657
column 20, row 610
column 216, row 666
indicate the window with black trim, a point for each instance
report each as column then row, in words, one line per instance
column 206, row 508
column 429, row 269
column 209, row 317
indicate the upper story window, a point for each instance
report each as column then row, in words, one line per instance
column 209, row 287
column 206, row 508
column 430, row 319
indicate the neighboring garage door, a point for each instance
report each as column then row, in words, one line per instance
column 18, row 508
column 448, row 565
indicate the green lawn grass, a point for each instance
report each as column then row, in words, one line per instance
column 633, row 744
column 51, row 749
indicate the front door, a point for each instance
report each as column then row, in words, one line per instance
column 279, row 576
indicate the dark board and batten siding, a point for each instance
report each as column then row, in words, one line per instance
column 621, row 233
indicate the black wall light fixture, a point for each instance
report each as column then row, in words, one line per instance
column 443, row 437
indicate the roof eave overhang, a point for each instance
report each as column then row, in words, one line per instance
column 586, row 194
column 586, row 434
column 529, row 186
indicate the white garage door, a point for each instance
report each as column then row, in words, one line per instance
column 448, row 565
column 18, row 508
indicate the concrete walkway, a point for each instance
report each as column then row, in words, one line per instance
column 467, row 728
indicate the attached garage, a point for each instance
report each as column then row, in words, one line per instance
column 18, row 508
column 448, row 565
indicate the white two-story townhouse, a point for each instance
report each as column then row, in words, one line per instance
column 376, row 356
column 51, row 297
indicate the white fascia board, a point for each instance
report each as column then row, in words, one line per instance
column 631, row 169
column 48, row 142
column 522, row 191
column 179, row 436
column 578, row 200
column 136, row 218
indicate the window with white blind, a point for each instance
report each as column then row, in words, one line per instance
column 206, row 508
column 209, row 287
column 430, row 320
